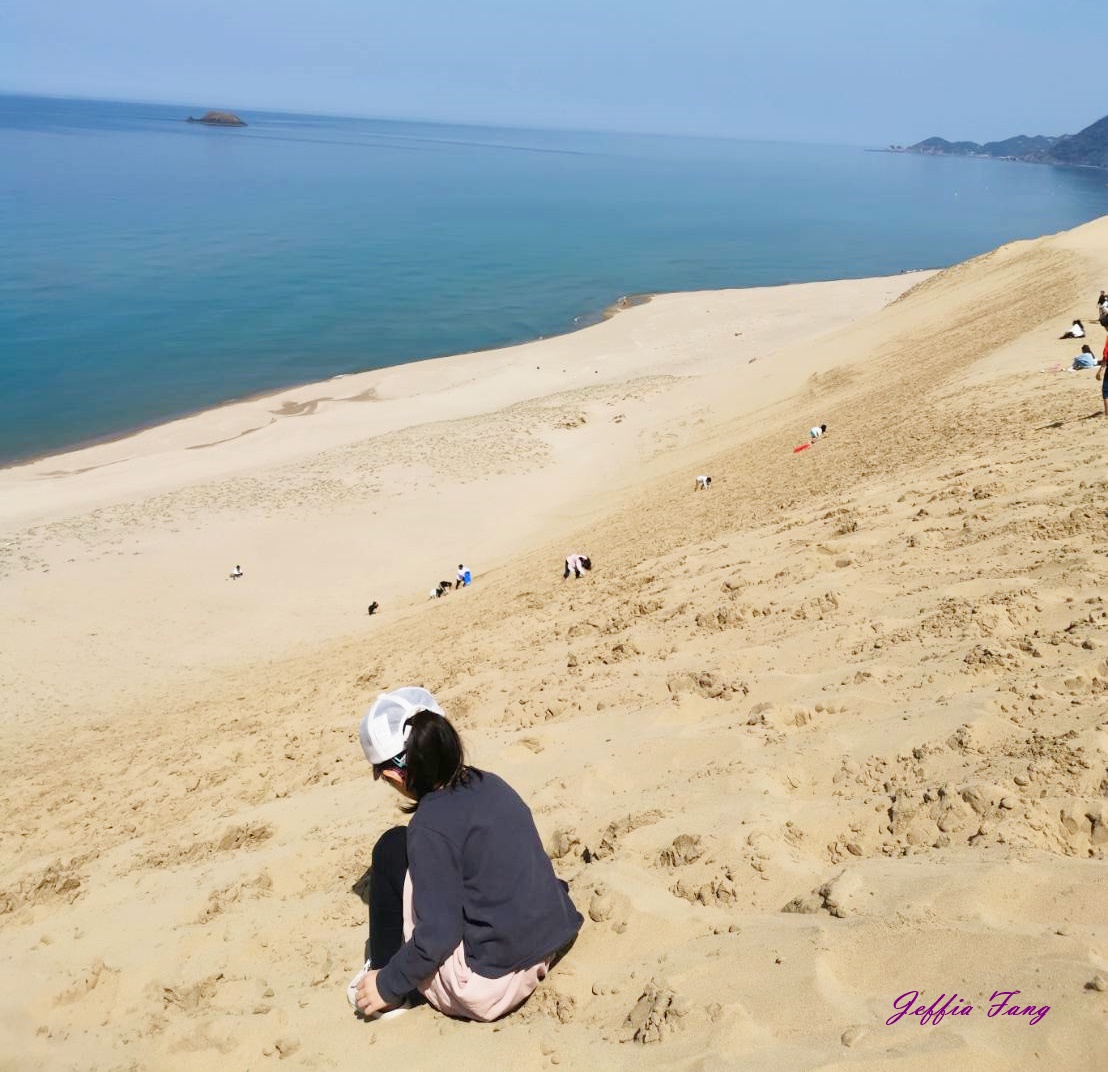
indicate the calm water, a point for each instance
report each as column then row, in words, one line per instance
column 153, row 267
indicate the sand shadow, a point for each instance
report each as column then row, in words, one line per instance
column 1064, row 421
column 299, row 409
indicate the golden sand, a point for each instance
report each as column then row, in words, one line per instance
column 832, row 732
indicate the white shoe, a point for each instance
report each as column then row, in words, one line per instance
column 352, row 986
column 352, row 997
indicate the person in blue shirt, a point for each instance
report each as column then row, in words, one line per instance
column 1085, row 359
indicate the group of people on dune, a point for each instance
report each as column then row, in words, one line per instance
column 1086, row 359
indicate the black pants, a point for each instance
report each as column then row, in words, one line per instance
column 386, row 895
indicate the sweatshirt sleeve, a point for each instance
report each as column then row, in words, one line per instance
column 435, row 864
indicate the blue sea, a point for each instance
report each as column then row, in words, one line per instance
column 153, row 267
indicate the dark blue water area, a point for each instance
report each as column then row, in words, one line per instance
column 154, row 267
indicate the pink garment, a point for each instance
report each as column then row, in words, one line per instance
column 456, row 990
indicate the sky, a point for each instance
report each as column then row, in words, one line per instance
column 856, row 72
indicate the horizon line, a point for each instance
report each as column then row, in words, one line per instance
column 496, row 125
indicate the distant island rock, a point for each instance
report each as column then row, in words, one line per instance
column 1087, row 148
column 218, row 119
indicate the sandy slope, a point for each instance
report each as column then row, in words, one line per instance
column 832, row 732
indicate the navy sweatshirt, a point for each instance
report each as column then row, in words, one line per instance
column 480, row 876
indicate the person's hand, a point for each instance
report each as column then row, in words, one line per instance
column 369, row 998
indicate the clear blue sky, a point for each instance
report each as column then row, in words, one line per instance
column 855, row 72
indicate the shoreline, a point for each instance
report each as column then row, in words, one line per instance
column 580, row 323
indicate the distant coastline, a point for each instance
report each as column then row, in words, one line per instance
column 1087, row 148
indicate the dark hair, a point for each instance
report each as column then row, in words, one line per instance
column 1085, row 349
column 434, row 756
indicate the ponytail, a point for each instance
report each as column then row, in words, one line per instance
column 435, row 757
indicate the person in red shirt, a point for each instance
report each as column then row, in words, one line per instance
column 1103, row 377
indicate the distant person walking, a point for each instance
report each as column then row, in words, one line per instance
column 703, row 483
column 1076, row 331
column 373, row 607
column 463, row 578
column 577, row 564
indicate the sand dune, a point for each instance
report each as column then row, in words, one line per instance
column 832, row 732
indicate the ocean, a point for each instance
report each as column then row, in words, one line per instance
column 154, row 267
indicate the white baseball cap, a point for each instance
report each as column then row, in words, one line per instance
column 382, row 732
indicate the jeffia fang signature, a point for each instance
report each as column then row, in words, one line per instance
column 1002, row 1003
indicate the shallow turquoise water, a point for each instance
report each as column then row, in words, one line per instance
column 153, row 267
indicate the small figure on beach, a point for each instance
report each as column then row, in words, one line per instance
column 577, row 564
column 373, row 607
column 703, row 483
column 464, row 905
column 236, row 573
column 1076, row 331
column 1085, row 359
column 463, row 577
column 439, row 590
column 817, row 432
column 1102, row 375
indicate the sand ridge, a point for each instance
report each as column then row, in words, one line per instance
column 834, row 731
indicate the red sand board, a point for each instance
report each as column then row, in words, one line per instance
column 803, row 446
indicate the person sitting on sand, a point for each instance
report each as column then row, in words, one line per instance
column 236, row 573
column 818, row 431
column 1085, row 359
column 577, row 564
column 373, row 607
column 1076, row 331
column 464, row 905
column 703, row 483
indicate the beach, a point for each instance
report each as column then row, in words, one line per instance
column 832, row 732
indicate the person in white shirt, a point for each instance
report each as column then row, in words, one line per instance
column 817, row 431
column 236, row 573
column 703, row 483
column 1076, row 331
column 576, row 564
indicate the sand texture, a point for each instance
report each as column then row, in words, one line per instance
column 831, row 732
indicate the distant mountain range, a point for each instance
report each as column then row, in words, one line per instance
column 1087, row 148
